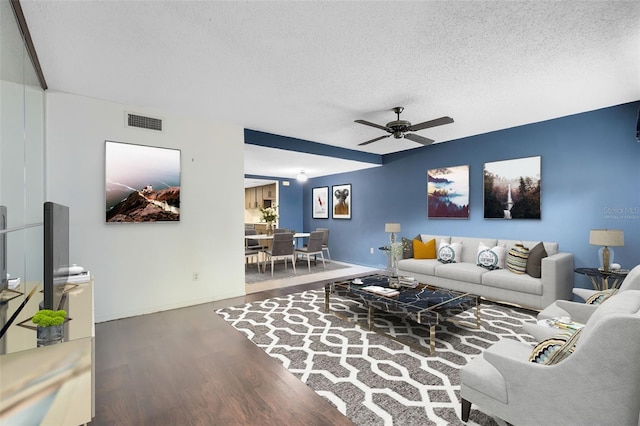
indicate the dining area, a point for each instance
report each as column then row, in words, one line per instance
column 284, row 247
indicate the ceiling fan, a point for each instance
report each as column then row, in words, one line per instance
column 400, row 128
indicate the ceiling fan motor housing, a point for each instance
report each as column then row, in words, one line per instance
column 398, row 128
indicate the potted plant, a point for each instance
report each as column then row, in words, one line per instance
column 49, row 326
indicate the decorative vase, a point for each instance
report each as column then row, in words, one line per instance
column 49, row 335
column 269, row 228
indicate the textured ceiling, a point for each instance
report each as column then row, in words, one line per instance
column 309, row 69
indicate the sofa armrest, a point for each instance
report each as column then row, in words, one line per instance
column 557, row 278
column 540, row 332
column 579, row 312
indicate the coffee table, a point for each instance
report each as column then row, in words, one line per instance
column 424, row 304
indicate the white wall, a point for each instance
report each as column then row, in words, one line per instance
column 148, row 267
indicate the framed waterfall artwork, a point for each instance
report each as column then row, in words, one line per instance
column 512, row 189
column 320, row 203
column 448, row 193
column 341, row 201
column 142, row 183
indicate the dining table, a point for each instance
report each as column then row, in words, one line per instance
column 298, row 237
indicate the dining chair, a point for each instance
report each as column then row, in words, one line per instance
column 252, row 248
column 314, row 248
column 280, row 230
column 325, row 241
column 281, row 248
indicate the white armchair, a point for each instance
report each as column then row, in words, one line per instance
column 598, row 384
column 562, row 308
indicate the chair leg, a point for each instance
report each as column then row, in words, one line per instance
column 293, row 262
column 323, row 264
column 466, row 409
column 309, row 262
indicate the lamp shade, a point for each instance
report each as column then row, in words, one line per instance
column 391, row 227
column 606, row 237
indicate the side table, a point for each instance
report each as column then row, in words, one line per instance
column 600, row 278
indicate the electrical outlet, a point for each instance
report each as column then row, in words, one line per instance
column 195, row 276
column 371, row 250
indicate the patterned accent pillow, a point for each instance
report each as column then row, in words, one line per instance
column 600, row 296
column 424, row 250
column 555, row 349
column 407, row 247
column 449, row 253
column 517, row 259
column 491, row 258
column 534, row 261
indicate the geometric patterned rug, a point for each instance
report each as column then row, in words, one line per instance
column 370, row 378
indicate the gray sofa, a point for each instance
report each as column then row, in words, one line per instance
column 555, row 282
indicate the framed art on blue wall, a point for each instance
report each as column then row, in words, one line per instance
column 341, row 201
column 448, row 193
column 142, row 183
column 512, row 189
column 320, row 205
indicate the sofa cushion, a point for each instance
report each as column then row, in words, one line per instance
column 601, row 296
column 449, row 253
column 426, row 250
column 407, row 247
column 503, row 278
column 470, row 247
column 517, row 259
column 418, row 266
column 550, row 248
column 555, row 349
column 467, row 272
column 534, row 261
column 491, row 257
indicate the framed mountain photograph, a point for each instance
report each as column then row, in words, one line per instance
column 142, row 183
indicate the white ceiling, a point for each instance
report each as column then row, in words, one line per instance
column 309, row 69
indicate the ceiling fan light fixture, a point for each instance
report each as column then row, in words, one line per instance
column 302, row 177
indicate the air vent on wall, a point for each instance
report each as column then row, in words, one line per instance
column 142, row 122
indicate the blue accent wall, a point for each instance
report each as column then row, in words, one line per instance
column 590, row 179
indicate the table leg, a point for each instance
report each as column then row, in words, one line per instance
column 432, row 340
column 594, row 281
column 370, row 318
column 327, row 293
column 477, row 313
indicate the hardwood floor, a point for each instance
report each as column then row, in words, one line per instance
column 189, row 367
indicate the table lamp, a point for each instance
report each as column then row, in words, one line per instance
column 606, row 238
column 392, row 228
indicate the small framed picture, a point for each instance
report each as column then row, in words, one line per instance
column 320, row 202
column 341, row 201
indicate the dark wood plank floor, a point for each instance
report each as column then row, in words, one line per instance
column 189, row 367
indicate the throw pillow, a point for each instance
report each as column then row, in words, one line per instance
column 407, row 247
column 534, row 261
column 600, row 296
column 517, row 259
column 424, row 250
column 449, row 253
column 491, row 258
column 555, row 349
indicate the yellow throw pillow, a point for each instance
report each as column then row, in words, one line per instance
column 424, row 250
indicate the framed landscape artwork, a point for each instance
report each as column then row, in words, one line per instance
column 512, row 189
column 448, row 193
column 142, row 183
column 320, row 204
column 341, row 201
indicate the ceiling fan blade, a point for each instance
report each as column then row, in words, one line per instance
column 377, row 126
column 373, row 140
column 431, row 123
column 419, row 139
